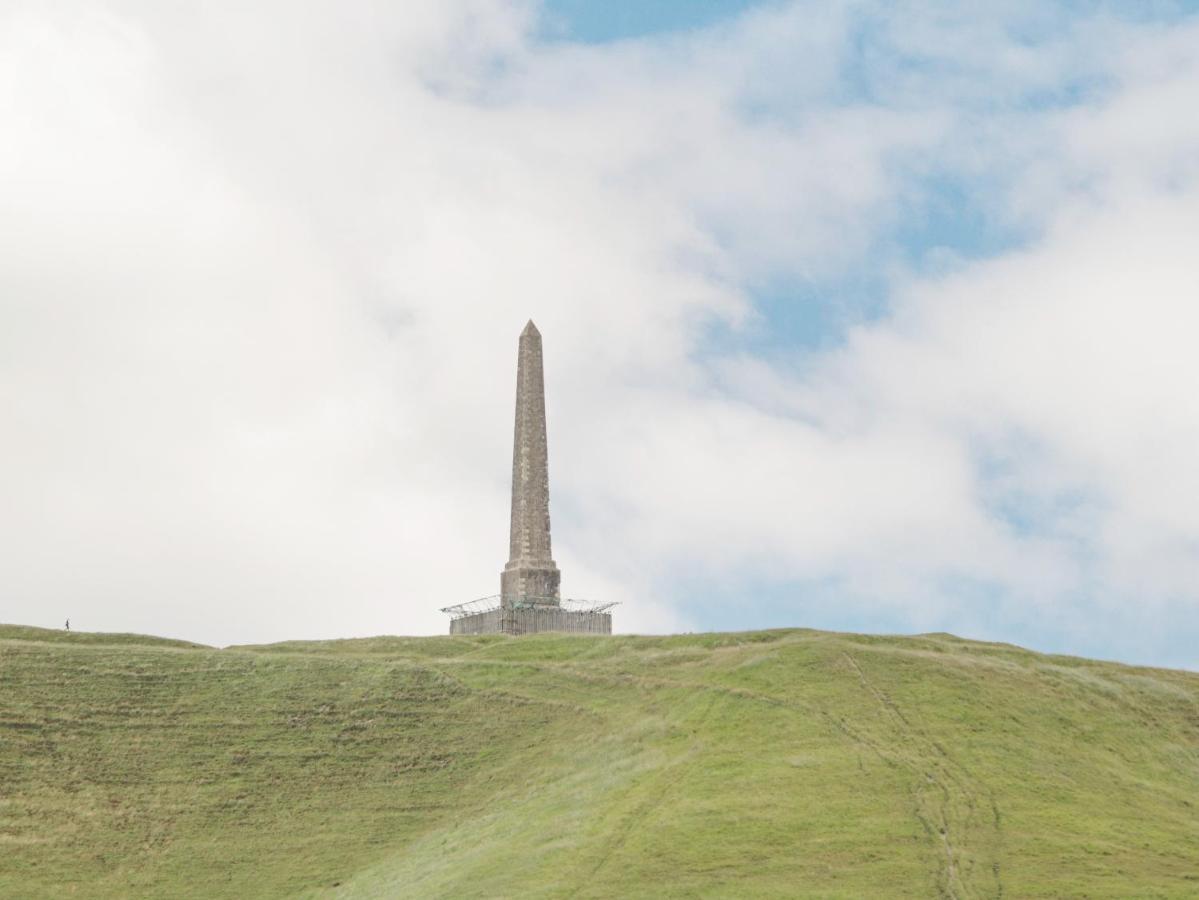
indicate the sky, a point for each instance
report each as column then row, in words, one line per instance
column 864, row 316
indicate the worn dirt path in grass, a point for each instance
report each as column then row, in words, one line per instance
column 951, row 805
column 947, row 798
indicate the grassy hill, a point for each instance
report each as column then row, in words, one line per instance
column 774, row 764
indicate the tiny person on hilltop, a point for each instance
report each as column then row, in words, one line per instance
column 68, row 624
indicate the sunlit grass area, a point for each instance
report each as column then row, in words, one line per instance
column 783, row 763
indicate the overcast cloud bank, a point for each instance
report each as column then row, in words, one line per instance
column 264, row 271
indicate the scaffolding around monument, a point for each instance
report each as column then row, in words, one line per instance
column 528, row 615
column 495, row 601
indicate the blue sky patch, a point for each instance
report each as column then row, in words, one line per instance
column 587, row 21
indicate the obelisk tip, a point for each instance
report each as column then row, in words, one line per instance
column 531, row 330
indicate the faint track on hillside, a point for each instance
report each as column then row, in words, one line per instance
column 664, row 782
column 952, row 811
column 954, row 807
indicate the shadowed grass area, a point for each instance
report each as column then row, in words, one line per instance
column 774, row 764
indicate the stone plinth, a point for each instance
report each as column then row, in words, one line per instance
column 523, row 583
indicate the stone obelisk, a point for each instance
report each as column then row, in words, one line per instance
column 530, row 577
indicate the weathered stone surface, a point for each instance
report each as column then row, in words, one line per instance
column 530, row 575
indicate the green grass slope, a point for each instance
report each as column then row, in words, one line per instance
column 773, row 764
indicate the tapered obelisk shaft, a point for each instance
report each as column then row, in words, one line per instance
column 530, row 575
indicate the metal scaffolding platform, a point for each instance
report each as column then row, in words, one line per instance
column 495, row 601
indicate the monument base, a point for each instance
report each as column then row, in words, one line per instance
column 532, row 620
column 538, row 582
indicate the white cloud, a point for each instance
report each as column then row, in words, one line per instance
column 264, row 270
